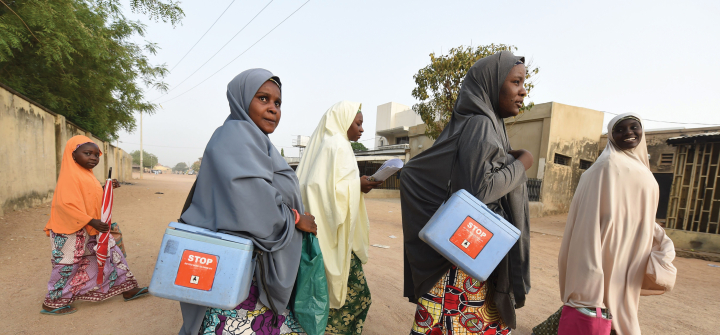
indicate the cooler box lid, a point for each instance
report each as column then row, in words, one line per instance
column 209, row 233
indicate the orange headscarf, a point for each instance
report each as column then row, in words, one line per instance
column 78, row 194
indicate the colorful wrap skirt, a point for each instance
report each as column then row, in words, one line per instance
column 251, row 317
column 457, row 305
column 75, row 270
column 117, row 235
column 350, row 318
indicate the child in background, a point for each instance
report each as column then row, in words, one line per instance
column 73, row 228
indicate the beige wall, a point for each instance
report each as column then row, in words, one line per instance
column 574, row 132
column 418, row 141
column 551, row 128
column 32, row 142
column 27, row 148
column 391, row 115
column 531, row 131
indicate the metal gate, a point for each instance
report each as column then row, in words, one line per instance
column 695, row 198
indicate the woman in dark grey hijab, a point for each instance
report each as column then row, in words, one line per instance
column 246, row 188
column 472, row 153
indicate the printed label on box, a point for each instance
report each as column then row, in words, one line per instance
column 471, row 237
column 197, row 270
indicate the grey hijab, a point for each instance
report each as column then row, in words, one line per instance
column 476, row 143
column 246, row 188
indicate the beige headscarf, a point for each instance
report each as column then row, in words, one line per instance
column 612, row 250
column 330, row 187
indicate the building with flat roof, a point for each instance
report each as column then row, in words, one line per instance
column 563, row 139
column 393, row 123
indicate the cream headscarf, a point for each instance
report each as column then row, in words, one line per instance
column 612, row 249
column 330, row 187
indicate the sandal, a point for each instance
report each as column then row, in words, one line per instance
column 57, row 310
column 143, row 292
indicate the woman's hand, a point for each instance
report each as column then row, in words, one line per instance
column 367, row 185
column 115, row 183
column 99, row 225
column 524, row 156
column 307, row 223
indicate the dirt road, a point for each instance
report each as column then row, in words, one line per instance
column 691, row 308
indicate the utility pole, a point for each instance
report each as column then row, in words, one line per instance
column 141, row 149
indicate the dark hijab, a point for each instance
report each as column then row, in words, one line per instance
column 476, row 143
column 246, row 188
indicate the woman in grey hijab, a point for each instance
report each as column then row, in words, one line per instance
column 246, row 188
column 472, row 153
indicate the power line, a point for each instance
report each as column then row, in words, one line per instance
column 238, row 56
column 688, row 123
column 217, row 52
column 162, row 146
column 201, row 37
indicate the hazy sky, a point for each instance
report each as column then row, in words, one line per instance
column 657, row 58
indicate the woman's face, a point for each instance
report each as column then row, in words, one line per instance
column 512, row 92
column 355, row 131
column 264, row 108
column 627, row 134
column 87, row 155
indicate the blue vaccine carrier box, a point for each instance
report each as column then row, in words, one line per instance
column 470, row 235
column 203, row 267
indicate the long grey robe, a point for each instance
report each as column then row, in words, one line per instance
column 476, row 144
column 246, row 188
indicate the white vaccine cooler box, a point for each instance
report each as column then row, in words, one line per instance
column 203, row 267
column 470, row 235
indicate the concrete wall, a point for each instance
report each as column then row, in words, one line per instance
column 27, row 146
column 574, row 132
column 32, row 142
column 407, row 118
column 391, row 115
column 531, row 131
column 691, row 240
column 551, row 128
column 383, row 118
column 418, row 141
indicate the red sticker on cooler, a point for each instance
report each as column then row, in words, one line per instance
column 471, row 237
column 196, row 270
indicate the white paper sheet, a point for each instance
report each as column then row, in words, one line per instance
column 387, row 169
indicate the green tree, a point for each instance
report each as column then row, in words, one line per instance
column 149, row 160
column 282, row 152
column 357, row 146
column 181, row 167
column 79, row 58
column 196, row 166
column 438, row 84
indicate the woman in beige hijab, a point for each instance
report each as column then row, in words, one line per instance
column 612, row 250
column 331, row 186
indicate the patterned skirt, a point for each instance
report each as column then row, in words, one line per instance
column 117, row 235
column 75, row 270
column 350, row 318
column 457, row 305
column 248, row 318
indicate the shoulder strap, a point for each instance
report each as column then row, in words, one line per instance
column 188, row 201
column 448, row 192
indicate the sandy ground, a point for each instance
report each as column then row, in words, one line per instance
column 692, row 308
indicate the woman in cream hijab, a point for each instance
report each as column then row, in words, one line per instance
column 612, row 250
column 331, row 186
